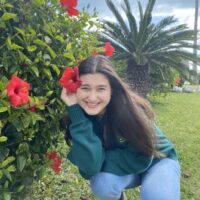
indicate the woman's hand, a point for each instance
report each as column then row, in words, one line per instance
column 68, row 98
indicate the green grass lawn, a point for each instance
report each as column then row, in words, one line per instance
column 178, row 115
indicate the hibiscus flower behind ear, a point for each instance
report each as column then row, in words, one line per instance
column 69, row 5
column 109, row 49
column 70, row 79
column 17, row 91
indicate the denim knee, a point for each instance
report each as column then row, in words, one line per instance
column 104, row 186
column 162, row 181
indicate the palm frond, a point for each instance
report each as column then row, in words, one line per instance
column 175, row 56
column 132, row 22
column 165, row 22
column 145, row 22
column 140, row 10
column 165, row 39
column 114, row 31
column 117, row 15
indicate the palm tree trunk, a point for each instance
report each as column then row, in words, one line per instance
column 138, row 78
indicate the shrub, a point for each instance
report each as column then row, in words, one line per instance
column 38, row 39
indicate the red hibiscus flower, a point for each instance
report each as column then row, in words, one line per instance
column 94, row 52
column 52, row 155
column 56, row 165
column 70, row 79
column 69, row 5
column 17, row 91
column 109, row 49
column 178, row 80
column 32, row 108
column 55, row 168
column 57, row 160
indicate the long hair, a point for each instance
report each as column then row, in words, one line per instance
column 127, row 115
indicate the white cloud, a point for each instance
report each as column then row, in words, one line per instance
column 109, row 18
column 185, row 16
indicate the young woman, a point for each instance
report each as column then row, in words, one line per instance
column 115, row 142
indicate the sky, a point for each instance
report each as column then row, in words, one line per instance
column 183, row 10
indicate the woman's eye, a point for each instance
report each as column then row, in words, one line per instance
column 84, row 88
column 101, row 89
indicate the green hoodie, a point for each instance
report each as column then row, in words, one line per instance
column 89, row 155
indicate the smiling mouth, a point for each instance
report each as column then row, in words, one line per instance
column 91, row 105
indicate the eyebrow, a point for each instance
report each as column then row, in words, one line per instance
column 96, row 86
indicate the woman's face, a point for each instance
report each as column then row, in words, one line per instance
column 94, row 94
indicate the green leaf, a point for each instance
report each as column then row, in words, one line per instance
column 69, row 47
column 21, row 31
column 2, row 86
column 47, row 39
column 21, row 162
column 3, row 153
column 4, row 80
column 35, row 70
column 36, row 100
column 40, row 42
column 3, row 138
column 8, row 41
column 48, row 73
column 3, row 109
column 17, row 123
column 39, row 2
column 53, row 101
column 31, row 48
column 7, row 5
column 11, row 168
column 69, row 55
column 32, row 31
column 59, row 38
column 7, row 16
column 24, row 58
column 49, row 93
column 35, row 117
column 7, row 161
column 26, row 121
column 23, row 147
column 15, row 46
column 56, row 69
column 46, row 56
column 6, row 184
column 20, row 188
column 6, row 196
column 8, row 176
column 1, row 174
column 2, row 25
column 52, row 52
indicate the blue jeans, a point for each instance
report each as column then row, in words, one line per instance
column 159, row 182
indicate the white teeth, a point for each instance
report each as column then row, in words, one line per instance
column 92, row 104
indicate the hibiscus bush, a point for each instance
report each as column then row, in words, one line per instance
column 39, row 38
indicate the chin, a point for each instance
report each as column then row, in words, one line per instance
column 91, row 112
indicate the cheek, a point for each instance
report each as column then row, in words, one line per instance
column 79, row 94
column 106, row 97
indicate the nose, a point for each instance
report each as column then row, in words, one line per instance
column 92, row 97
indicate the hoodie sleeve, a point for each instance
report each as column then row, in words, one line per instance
column 86, row 152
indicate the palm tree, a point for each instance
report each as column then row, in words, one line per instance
column 148, row 47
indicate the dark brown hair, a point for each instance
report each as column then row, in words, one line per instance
column 128, row 115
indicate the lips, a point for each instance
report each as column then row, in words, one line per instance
column 91, row 105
